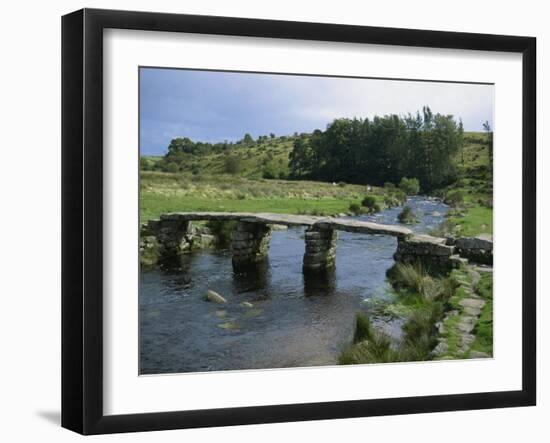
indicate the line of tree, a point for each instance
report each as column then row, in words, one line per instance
column 381, row 150
column 184, row 145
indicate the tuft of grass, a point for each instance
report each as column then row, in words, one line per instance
column 454, row 198
column 363, row 329
column 422, row 300
column 407, row 216
column 414, row 278
column 377, row 349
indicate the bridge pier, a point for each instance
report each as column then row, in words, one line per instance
column 172, row 237
column 250, row 243
column 320, row 249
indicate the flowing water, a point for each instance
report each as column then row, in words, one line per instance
column 294, row 320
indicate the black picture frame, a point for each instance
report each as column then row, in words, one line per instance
column 82, row 218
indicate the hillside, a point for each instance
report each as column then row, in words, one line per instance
column 266, row 158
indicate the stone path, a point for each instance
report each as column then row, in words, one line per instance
column 456, row 329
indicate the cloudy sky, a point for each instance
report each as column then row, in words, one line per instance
column 218, row 106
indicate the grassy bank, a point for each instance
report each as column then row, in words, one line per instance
column 434, row 316
column 471, row 196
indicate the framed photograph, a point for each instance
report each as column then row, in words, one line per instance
column 268, row 221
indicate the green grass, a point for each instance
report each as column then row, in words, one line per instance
column 420, row 300
column 476, row 220
column 484, row 327
column 163, row 192
column 153, row 205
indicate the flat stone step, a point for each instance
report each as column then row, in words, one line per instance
column 472, row 303
column 363, row 227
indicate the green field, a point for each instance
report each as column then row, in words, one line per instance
column 163, row 192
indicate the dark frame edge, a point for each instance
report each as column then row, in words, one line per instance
column 72, row 166
column 529, row 219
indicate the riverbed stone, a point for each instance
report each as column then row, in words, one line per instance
column 441, row 348
column 214, row 297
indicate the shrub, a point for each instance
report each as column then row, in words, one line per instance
column 369, row 201
column 355, row 208
column 268, row 173
column 399, row 195
column 232, row 164
column 411, row 186
column 146, row 164
column 390, row 201
column 389, row 185
column 195, row 169
column 407, row 216
column 454, row 198
column 371, row 204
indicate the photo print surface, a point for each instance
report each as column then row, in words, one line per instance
column 302, row 220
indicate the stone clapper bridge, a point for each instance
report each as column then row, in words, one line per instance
column 250, row 240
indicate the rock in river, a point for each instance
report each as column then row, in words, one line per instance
column 214, row 297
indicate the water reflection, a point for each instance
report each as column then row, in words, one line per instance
column 319, row 283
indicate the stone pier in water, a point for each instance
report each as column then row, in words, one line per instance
column 320, row 251
column 250, row 243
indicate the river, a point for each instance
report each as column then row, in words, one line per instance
column 293, row 321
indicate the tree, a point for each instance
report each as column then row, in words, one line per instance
column 247, row 140
column 409, row 186
column 460, row 136
column 299, row 159
column 232, row 164
column 272, row 135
